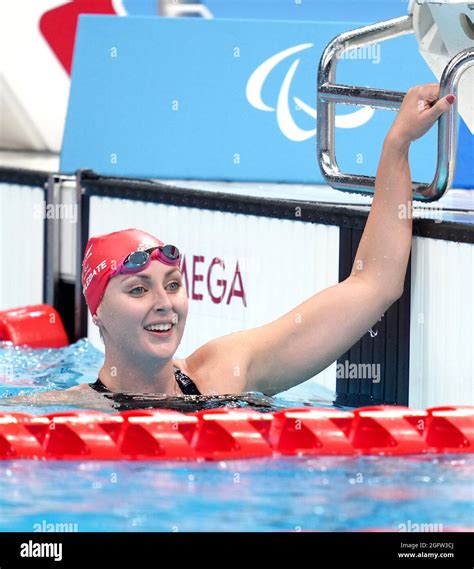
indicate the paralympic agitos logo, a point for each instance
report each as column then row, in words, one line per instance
column 284, row 101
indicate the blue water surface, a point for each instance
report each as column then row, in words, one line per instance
column 292, row 494
column 25, row 372
column 285, row 494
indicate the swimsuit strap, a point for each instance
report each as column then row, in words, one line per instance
column 99, row 386
column 186, row 384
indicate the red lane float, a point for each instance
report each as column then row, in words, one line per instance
column 38, row 326
column 222, row 434
column 217, row 434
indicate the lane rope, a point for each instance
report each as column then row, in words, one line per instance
column 221, row 434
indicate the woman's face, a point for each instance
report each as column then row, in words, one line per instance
column 134, row 301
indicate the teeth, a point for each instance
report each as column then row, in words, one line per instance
column 159, row 327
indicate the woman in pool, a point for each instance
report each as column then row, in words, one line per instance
column 134, row 290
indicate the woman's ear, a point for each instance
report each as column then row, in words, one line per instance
column 96, row 318
column 97, row 322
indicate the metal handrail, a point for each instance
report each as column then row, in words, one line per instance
column 330, row 93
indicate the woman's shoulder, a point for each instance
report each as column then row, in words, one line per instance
column 213, row 371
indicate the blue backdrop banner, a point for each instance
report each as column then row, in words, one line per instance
column 230, row 100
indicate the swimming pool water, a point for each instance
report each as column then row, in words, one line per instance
column 285, row 494
column 294, row 494
column 25, row 372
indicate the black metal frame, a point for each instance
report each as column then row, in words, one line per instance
column 389, row 348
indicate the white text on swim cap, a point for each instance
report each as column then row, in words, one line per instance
column 99, row 268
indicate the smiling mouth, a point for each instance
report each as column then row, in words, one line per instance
column 160, row 329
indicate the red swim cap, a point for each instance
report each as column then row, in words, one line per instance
column 103, row 255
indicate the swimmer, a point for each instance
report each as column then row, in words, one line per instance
column 135, row 292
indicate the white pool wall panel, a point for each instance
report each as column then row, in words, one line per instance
column 21, row 245
column 442, row 316
column 67, row 235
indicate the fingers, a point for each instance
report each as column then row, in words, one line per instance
column 427, row 95
column 420, row 109
column 424, row 96
column 429, row 91
column 441, row 107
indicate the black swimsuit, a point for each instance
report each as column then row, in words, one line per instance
column 192, row 400
column 186, row 384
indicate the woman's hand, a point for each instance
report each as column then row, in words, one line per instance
column 420, row 109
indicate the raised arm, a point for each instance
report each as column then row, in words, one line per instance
column 303, row 342
column 382, row 257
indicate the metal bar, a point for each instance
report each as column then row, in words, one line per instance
column 51, row 242
column 82, row 236
column 348, row 95
column 326, row 118
column 330, row 93
column 448, row 124
column 354, row 39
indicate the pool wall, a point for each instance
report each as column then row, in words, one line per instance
column 22, row 228
column 234, row 237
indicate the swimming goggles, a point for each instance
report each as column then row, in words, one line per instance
column 139, row 260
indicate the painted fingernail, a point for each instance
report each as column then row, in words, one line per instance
column 450, row 99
